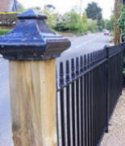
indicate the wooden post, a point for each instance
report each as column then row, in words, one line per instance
column 118, row 4
column 33, row 96
column 32, row 49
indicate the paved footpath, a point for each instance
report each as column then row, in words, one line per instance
column 116, row 135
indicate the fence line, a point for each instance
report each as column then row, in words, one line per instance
column 88, row 86
column 87, row 92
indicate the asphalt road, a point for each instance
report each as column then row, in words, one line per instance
column 80, row 45
column 85, row 44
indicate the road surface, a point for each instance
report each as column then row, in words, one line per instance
column 79, row 46
column 85, row 44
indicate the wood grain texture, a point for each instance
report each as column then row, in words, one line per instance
column 33, row 96
column 117, row 32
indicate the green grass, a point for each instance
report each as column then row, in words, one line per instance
column 4, row 31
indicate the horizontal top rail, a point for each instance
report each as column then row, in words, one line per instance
column 116, row 49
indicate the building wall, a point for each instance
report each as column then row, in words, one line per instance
column 6, row 5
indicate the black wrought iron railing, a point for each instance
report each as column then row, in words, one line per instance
column 88, row 89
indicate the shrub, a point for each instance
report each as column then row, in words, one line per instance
column 121, row 22
column 92, row 25
column 72, row 21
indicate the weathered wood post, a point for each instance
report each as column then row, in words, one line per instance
column 117, row 32
column 31, row 49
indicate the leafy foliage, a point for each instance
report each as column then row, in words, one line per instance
column 92, row 25
column 72, row 21
column 94, row 11
column 109, row 24
column 100, row 24
column 52, row 16
column 121, row 22
column 75, row 22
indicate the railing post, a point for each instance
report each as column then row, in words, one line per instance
column 107, row 88
column 31, row 49
column 122, row 65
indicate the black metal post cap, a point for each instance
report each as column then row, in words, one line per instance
column 32, row 39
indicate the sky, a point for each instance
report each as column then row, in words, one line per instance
column 63, row 6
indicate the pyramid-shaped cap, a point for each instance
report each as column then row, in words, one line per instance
column 32, row 39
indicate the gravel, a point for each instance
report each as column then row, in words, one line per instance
column 116, row 135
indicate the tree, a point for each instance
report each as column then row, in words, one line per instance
column 84, row 23
column 75, row 22
column 93, row 11
column 109, row 24
column 52, row 16
column 49, row 7
column 121, row 22
column 100, row 24
column 72, row 21
column 92, row 25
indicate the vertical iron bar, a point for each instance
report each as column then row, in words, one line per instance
column 73, row 101
column 68, row 104
column 63, row 141
column 86, row 102
column 108, row 87
column 78, row 102
column 82, row 102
